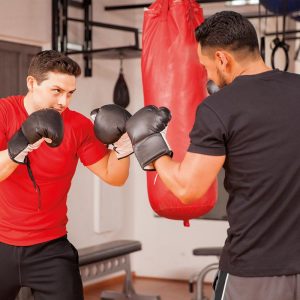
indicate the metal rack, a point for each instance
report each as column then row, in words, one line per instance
column 61, row 21
column 142, row 5
column 60, row 24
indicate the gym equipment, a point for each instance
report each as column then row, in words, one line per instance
column 109, row 127
column 218, row 213
column 145, row 129
column 102, row 260
column 109, row 122
column 174, row 78
column 44, row 123
column 109, row 258
column 281, row 7
column 121, row 93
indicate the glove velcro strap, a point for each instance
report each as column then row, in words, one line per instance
column 150, row 149
column 16, row 145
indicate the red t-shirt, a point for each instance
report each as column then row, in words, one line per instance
column 21, row 222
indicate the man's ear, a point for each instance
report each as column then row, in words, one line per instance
column 31, row 82
column 223, row 59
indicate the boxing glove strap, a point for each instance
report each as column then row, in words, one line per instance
column 18, row 149
column 35, row 185
column 150, row 149
column 16, row 145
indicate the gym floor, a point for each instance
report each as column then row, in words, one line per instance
column 167, row 289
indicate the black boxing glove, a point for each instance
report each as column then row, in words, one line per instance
column 109, row 127
column 211, row 87
column 146, row 131
column 44, row 124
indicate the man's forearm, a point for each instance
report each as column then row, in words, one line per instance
column 111, row 170
column 189, row 179
column 7, row 166
column 117, row 169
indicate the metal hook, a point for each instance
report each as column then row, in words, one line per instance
column 285, row 47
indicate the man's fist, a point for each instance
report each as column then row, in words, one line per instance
column 146, row 131
column 44, row 124
column 110, row 128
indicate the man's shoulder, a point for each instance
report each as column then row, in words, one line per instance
column 223, row 95
column 11, row 100
column 11, row 104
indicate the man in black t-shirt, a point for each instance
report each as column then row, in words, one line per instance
column 251, row 128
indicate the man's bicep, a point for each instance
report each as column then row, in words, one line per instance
column 200, row 171
column 99, row 168
column 110, row 169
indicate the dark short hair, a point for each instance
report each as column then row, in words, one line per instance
column 52, row 61
column 228, row 30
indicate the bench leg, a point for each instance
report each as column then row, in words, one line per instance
column 128, row 289
column 199, row 294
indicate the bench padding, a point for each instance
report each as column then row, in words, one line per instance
column 208, row 251
column 108, row 250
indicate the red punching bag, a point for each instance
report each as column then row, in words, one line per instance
column 173, row 77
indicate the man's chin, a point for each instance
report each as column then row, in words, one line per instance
column 60, row 110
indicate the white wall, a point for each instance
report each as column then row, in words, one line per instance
column 116, row 204
column 124, row 212
column 26, row 21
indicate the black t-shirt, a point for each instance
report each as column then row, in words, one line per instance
column 255, row 122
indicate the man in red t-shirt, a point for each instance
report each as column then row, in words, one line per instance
column 40, row 128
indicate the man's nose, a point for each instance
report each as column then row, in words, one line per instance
column 63, row 100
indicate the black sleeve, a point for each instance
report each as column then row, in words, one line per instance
column 208, row 133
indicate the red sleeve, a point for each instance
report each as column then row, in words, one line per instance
column 91, row 149
column 3, row 137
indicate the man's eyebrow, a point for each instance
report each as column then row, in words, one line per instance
column 59, row 87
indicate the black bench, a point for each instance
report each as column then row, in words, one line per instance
column 198, row 279
column 109, row 258
column 102, row 260
column 218, row 213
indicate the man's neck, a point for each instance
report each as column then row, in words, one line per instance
column 27, row 104
column 251, row 68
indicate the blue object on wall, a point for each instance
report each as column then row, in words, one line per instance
column 281, row 7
